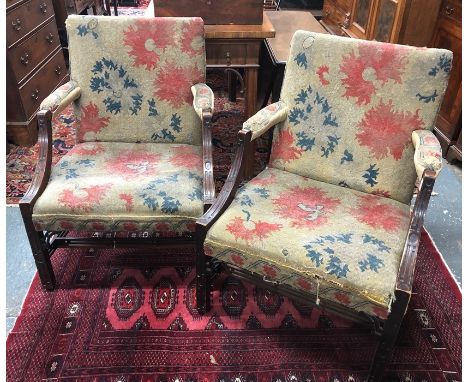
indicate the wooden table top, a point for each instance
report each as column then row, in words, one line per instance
column 265, row 30
column 285, row 24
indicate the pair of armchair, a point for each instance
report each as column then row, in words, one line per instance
column 327, row 222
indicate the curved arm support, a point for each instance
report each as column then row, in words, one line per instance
column 44, row 164
column 231, row 184
column 408, row 260
column 427, row 152
column 61, row 97
column 208, row 180
column 265, row 118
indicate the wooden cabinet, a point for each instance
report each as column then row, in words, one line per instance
column 448, row 35
column 409, row 22
column 35, row 65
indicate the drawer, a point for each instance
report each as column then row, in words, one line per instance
column 26, row 17
column 25, row 57
column 452, row 9
column 223, row 53
column 42, row 83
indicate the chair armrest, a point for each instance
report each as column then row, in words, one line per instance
column 61, row 97
column 428, row 153
column 44, row 163
column 203, row 98
column 265, row 118
column 203, row 103
column 228, row 192
column 405, row 276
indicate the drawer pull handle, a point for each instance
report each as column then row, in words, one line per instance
column 43, row 7
column 228, row 58
column 449, row 10
column 16, row 24
column 58, row 70
column 50, row 38
column 24, row 59
column 35, row 95
column 346, row 21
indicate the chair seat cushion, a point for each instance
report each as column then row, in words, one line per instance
column 295, row 230
column 117, row 186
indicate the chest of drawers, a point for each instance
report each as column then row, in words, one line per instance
column 35, row 65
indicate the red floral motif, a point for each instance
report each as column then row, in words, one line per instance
column 236, row 259
column 208, row 251
column 430, row 140
column 85, row 198
column 304, row 284
column 98, row 226
column 378, row 214
column 387, row 61
column 192, row 38
column 165, row 230
column 343, row 298
column 320, row 72
column 128, row 199
column 88, row 149
column 67, row 225
column 306, row 207
column 187, row 157
column 145, row 38
column 129, row 227
column 385, row 131
column 270, row 271
column 383, row 193
column 191, row 227
column 133, row 163
column 380, row 312
column 90, row 121
column 264, row 180
column 173, row 84
column 283, row 147
column 261, row 229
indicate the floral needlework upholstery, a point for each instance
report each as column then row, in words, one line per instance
column 295, row 230
column 61, row 97
column 135, row 75
column 352, row 109
column 428, row 153
column 119, row 186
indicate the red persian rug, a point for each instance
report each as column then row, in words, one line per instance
column 227, row 121
column 120, row 316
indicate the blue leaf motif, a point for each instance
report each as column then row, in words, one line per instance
column 301, row 60
column 371, row 175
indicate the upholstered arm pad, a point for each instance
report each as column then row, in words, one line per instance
column 266, row 118
column 61, row 98
column 203, row 98
column 428, row 153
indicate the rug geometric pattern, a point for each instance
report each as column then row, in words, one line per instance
column 119, row 315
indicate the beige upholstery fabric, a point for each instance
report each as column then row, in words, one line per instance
column 290, row 229
column 353, row 105
column 119, row 186
column 427, row 152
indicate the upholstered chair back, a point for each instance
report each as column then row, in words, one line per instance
column 135, row 75
column 352, row 107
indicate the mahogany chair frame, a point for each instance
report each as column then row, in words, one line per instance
column 44, row 243
column 386, row 330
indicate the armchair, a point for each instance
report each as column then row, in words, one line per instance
column 329, row 222
column 141, row 169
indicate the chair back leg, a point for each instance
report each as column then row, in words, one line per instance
column 39, row 249
column 389, row 336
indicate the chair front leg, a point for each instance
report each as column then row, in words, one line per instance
column 40, row 250
column 389, row 336
column 202, row 287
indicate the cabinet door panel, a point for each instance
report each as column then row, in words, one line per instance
column 362, row 11
column 385, row 20
column 448, row 36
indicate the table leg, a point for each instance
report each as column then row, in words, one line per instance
column 251, row 77
column 232, row 86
